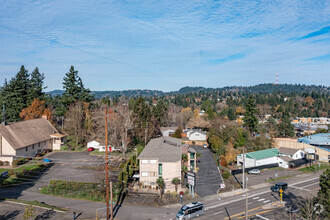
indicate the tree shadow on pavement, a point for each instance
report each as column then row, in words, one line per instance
column 9, row 215
column 46, row 215
column 122, row 194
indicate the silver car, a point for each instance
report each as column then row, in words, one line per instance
column 254, row 171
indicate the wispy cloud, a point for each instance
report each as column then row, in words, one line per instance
column 325, row 57
column 226, row 59
column 322, row 31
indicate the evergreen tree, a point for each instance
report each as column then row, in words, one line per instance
column 250, row 119
column 324, row 193
column 36, row 85
column 160, row 112
column 16, row 95
column 231, row 114
column 286, row 128
column 74, row 88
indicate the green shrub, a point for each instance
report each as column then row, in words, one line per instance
column 1, row 163
column 226, row 175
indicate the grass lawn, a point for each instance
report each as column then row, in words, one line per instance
column 77, row 190
column 22, row 174
column 309, row 169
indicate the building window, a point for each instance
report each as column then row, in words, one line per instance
column 153, row 161
column 144, row 161
column 153, row 173
column 26, row 149
column 160, row 169
column 192, row 155
column 144, row 173
column 32, row 146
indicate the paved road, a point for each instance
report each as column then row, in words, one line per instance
column 208, row 177
column 258, row 200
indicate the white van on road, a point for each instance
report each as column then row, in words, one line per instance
column 190, row 210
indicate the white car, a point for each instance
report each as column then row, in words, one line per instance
column 205, row 145
column 254, row 171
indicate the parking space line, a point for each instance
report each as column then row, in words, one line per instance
column 266, row 201
column 261, row 200
column 256, row 197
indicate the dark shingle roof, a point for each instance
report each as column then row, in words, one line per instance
column 25, row 133
column 165, row 149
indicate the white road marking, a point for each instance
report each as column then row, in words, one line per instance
column 295, row 187
column 217, row 213
column 208, row 207
column 266, row 201
column 250, row 203
column 310, row 185
column 256, row 197
column 261, row 200
column 262, row 217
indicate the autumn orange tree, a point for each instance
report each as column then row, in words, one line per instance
column 35, row 110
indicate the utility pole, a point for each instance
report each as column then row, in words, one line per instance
column 246, row 201
column 243, row 168
column 244, row 187
column 111, row 201
column 106, row 161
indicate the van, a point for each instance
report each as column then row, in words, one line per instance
column 279, row 186
column 190, row 210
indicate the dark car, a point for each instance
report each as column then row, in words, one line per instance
column 279, row 186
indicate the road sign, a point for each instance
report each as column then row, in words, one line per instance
column 281, row 190
column 222, row 185
column 191, row 180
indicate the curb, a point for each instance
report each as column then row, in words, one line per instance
column 35, row 206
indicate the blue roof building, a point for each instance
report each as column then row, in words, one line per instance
column 321, row 140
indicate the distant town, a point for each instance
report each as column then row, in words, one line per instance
column 224, row 153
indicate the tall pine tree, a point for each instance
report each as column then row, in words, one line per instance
column 17, row 94
column 74, row 88
column 250, row 119
column 36, row 85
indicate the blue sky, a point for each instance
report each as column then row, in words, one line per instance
column 166, row 45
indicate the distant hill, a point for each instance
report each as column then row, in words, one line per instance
column 261, row 88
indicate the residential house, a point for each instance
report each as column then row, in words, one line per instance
column 27, row 138
column 196, row 135
column 93, row 144
column 161, row 158
column 167, row 131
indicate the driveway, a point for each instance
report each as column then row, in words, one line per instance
column 208, row 178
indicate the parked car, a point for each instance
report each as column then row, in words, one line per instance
column 190, row 210
column 254, row 171
column 205, row 145
column 279, row 186
column 91, row 149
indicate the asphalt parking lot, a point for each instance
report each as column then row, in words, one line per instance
column 208, row 178
column 72, row 166
column 268, row 174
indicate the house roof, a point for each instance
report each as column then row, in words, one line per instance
column 25, row 133
column 58, row 135
column 316, row 139
column 285, row 150
column 165, row 149
column 162, row 129
column 286, row 158
column 262, row 154
column 196, row 131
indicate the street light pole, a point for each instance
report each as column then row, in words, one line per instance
column 106, row 162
